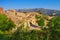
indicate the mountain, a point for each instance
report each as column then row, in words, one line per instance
column 42, row 10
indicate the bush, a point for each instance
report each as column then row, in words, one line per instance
column 41, row 22
column 5, row 23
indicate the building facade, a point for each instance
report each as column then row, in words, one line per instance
column 1, row 10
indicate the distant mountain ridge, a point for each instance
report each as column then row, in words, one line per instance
column 42, row 10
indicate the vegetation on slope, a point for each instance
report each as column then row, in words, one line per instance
column 50, row 33
column 5, row 23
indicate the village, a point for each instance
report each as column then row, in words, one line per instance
column 27, row 18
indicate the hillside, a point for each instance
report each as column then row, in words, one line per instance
column 16, row 25
column 44, row 11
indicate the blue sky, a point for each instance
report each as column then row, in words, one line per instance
column 22, row 4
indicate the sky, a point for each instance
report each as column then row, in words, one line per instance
column 26, row 4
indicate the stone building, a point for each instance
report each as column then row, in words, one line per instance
column 1, row 10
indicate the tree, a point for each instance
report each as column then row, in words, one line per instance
column 54, row 27
column 41, row 21
column 37, row 17
column 5, row 23
column 39, row 12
